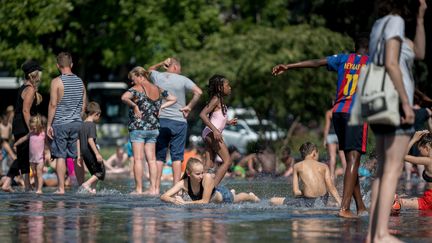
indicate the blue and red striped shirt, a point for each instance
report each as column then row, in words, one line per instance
column 348, row 68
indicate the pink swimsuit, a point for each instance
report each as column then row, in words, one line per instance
column 218, row 119
column 36, row 147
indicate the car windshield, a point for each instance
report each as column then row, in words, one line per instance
column 113, row 110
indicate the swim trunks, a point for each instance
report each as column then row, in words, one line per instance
column 425, row 202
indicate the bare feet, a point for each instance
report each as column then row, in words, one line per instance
column 39, row 192
column 254, row 197
column 88, row 189
column 150, row 193
column 58, row 192
column 277, row 201
column 8, row 189
column 344, row 213
column 135, row 193
column 362, row 212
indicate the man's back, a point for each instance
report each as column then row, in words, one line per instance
column 312, row 175
column 176, row 85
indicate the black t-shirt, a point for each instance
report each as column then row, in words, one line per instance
column 88, row 130
column 421, row 116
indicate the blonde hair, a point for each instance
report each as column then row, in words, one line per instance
column 191, row 163
column 138, row 72
column 37, row 122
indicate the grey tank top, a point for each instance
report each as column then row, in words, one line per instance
column 70, row 106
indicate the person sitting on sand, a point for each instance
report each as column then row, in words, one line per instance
column 424, row 144
column 315, row 177
column 201, row 190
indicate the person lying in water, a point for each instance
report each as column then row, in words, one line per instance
column 315, row 177
column 424, row 144
column 201, row 190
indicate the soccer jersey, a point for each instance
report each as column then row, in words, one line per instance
column 348, row 68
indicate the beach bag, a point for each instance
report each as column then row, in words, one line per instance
column 377, row 100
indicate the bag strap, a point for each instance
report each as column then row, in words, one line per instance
column 380, row 40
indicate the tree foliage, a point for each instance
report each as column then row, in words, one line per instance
column 241, row 39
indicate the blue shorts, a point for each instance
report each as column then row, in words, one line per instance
column 63, row 144
column 143, row 136
column 227, row 196
column 173, row 135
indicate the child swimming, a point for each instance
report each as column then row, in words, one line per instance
column 315, row 177
column 200, row 187
column 424, row 144
column 214, row 116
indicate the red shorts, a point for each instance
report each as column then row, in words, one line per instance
column 425, row 202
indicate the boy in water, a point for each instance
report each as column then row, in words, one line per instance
column 315, row 177
column 87, row 148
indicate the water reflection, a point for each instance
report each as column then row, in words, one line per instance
column 121, row 218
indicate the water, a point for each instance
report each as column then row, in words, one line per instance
column 114, row 216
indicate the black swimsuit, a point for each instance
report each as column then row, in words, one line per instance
column 426, row 177
column 199, row 196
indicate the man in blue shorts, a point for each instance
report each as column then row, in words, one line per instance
column 173, row 124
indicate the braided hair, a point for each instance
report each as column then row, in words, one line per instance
column 216, row 88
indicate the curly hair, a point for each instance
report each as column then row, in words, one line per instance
column 425, row 141
column 216, row 88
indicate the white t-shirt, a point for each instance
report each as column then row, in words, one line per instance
column 395, row 28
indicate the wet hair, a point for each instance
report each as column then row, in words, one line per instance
column 307, row 148
column 138, row 72
column 37, row 122
column 64, row 59
column 93, row 108
column 361, row 41
column 215, row 88
column 190, row 164
column 425, row 141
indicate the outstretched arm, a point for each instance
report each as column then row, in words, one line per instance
column 22, row 140
column 169, row 196
column 281, row 68
column 330, row 186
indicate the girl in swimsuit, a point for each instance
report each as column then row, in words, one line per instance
column 214, row 116
column 424, row 144
column 200, row 187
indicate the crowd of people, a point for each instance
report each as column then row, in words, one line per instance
column 158, row 112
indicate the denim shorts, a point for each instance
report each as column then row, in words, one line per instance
column 227, row 196
column 143, row 136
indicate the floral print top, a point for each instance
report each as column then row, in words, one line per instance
column 149, row 109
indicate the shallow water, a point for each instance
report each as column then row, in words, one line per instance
column 114, row 216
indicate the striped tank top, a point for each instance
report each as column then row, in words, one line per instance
column 70, row 106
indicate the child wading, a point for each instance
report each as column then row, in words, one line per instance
column 87, row 149
column 200, row 187
column 214, row 116
column 36, row 138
